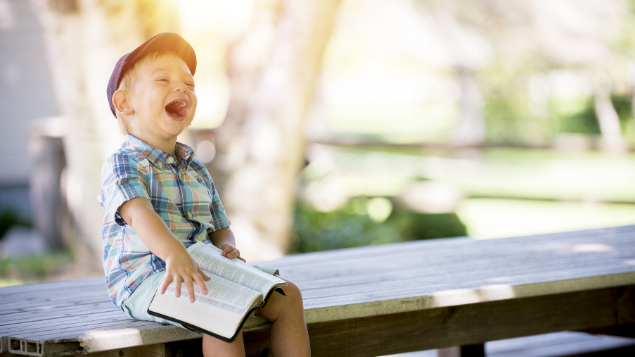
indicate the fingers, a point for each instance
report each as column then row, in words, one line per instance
column 201, row 284
column 189, row 286
column 230, row 251
column 227, row 248
column 166, row 281
column 233, row 254
column 202, row 273
column 177, row 286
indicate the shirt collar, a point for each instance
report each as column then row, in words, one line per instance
column 156, row 156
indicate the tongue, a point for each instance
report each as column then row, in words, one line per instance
column 181, row 112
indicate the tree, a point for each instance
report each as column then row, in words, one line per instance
column 526, row 37
column 260, row 146
column 85, row 38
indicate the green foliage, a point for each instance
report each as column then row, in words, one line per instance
column 8, row 218
column 345, row 228
column 576, row 116
column 34, row 268
column 417, row 226
column 316, row 231
column 510, row 115
column 623, row 106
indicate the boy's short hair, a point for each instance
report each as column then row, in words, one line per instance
column 129, row 77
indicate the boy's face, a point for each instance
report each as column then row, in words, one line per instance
column 162, row 98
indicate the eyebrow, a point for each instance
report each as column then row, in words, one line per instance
column 163, row 69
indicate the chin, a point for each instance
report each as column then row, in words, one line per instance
column 175, row 129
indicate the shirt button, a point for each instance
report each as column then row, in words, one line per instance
column 170, row 159
column 189, row 215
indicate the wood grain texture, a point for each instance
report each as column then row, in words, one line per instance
column 346, row 289
column 561, row 344
column 464, row 325
column 158, row 350
column 477, row 350
column 625, row 330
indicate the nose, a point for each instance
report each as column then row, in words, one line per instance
column 181, row 87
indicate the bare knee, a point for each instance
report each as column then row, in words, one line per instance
column 292, row 292
column 290, row 303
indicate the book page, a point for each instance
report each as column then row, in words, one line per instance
column 221, row 310
column 222, row 294
column 198, row 313
column 210, row 258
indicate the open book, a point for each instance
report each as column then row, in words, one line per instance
column 234, row 291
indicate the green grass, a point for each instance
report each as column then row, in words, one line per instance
column 508, row 192
column 351, row 226
column 498, row 218
column 22, row 270
column 505, row 173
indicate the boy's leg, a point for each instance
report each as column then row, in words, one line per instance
column 217, row 348
column 289, row 336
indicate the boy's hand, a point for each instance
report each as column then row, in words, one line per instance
column 154, row 233
column 230, row 251
column 180, row 267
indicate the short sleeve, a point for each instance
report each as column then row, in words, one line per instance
column 219, row 217
column 121, row 180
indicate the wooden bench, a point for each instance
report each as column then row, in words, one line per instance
column 375, row 300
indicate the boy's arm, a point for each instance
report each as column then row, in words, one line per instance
column 224, row 240
column 179, row 265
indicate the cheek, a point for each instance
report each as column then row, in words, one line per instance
column 193, row 104
column 144, row 103
column 193, row 100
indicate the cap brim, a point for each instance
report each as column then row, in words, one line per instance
column 164, row 41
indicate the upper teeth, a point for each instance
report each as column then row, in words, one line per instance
column 181, row 102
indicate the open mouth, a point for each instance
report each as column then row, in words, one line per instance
column 177, row 108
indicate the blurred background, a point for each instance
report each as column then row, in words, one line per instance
column 329, row 124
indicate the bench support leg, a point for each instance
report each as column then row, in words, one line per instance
column 477, row 350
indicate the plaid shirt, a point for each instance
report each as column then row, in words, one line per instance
column 183, row 195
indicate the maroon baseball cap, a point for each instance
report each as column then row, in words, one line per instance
column 163, row 41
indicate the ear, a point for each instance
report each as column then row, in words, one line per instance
column 121, row 102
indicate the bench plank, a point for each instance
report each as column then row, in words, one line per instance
column 344, row 290
column 560, row 344
column 33, row 316
column 477, row 254
column 447, row 244
column 38, row 288
column 463, row 325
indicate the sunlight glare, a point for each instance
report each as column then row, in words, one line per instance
column 228, row 17
column 206, row 151
column 379, row 208
column 593, row 247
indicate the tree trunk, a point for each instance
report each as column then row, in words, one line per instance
column 470, row 128
column 85, row 38
column 609, row 121
column 260, row 147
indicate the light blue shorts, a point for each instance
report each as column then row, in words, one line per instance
column 136, row 306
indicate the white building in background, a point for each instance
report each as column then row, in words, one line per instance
column 26, row 95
